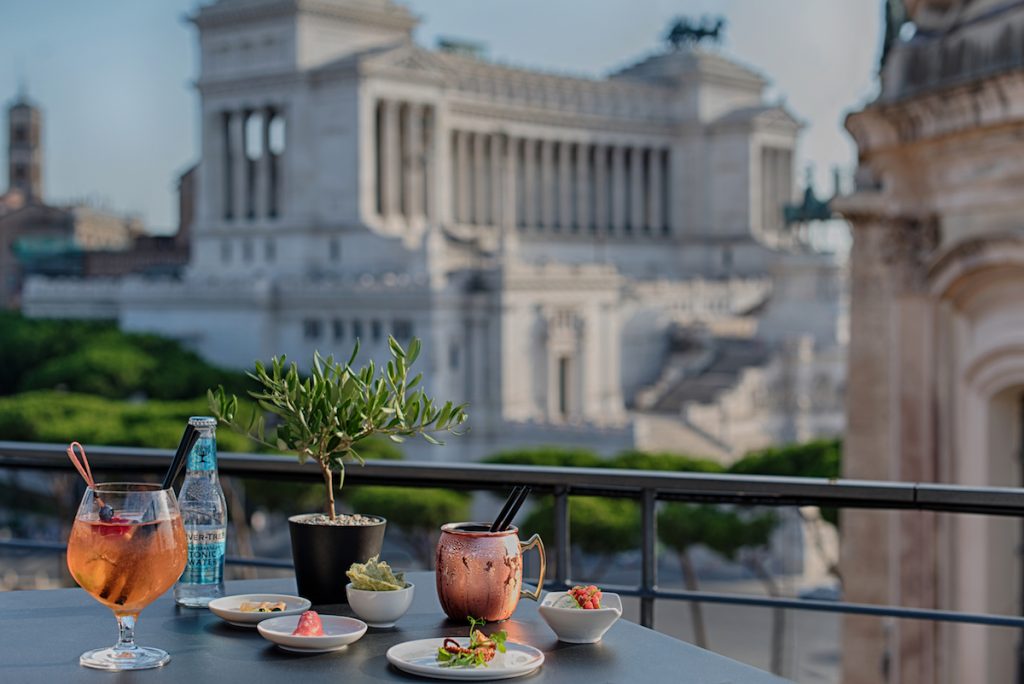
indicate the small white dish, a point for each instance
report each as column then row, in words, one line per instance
column 226, row 608
column 420, row 658
column 339, row 632
column 578, row 626
column 380, row 609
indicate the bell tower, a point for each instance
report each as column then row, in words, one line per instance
column 25, row 149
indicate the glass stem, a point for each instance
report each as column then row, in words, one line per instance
column 126, row 633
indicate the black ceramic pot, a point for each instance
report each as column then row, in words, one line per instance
column 322, row 554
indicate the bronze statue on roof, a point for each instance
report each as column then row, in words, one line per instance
column 681, row 31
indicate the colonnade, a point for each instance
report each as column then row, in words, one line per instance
column 559, row 186
column 253, row 143
column 404, row 159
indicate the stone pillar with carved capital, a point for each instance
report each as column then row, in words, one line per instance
column 530, row 202
column 582, row 181
column 391, row 159
column 600, row 190
column 413, row 166
column 565, row 181
column 547, row 184
column 619, row 190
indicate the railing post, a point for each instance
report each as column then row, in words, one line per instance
column 562, row 542
column 649, row 559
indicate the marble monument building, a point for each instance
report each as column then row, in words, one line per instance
column 600, row 262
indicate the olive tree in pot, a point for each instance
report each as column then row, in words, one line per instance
column 322, row 418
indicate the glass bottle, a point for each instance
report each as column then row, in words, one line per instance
column 204, row 514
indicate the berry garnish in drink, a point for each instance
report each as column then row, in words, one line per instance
column 481, row 649
column 309, row 625
column 587, row 598
column 106, row 513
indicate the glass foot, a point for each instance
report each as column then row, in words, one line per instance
column 137, row 658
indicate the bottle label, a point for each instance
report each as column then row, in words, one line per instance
column 205, row 557
column 203, row 456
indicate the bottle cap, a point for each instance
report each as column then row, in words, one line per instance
column 202, row 422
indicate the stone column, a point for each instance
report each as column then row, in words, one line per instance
column 238, row 163
column 656, row 221
column 530, row 200
column 582, row 179
column 413, row 167
column 391, row 158
column 600, row 195
column 481, row 180
column 619, row 189
column 547, row 184
column 494, row 150
column 461, row 176
column 565, row 182
column 429, row 172
column 510, row 174
column 636, row 189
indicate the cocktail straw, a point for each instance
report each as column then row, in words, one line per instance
column 188, row 440
column 82, row 466
column 506, row 508
column 516, row 505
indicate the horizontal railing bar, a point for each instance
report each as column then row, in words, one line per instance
column 59, row 547
column 823, row 606
column 669, row 594
column 678, row 486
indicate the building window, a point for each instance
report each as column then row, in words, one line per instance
column 376, row 330
column 403, row 329
column 453, row 356
column 339, row 329
column 311, row 329
column 20, row 134
column 269, row 250
column 334, row 249
column 225, row 251
column 357, row 329
column 247, row 251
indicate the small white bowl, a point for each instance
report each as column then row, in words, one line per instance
column 226, row 608
column 380, row 609
column 339, row 632
column 579, row 626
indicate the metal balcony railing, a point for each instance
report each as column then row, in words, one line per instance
column 646, row 486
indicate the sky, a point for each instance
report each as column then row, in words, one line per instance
column 113, row 77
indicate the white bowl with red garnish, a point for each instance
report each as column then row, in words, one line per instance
column 312, row 633
column 581, row 615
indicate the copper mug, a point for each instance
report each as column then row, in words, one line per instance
column 480, row 573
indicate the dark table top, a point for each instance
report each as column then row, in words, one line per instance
column 42, row 633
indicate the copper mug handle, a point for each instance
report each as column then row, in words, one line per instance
column 534, row 542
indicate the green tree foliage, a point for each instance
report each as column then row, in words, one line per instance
column 96, row 358
column 819, row 458
column 60, row 417
column 549, row 456
column 641, row 460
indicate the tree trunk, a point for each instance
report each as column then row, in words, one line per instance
column 329, row 483
column 757, row 565
column 700, row 635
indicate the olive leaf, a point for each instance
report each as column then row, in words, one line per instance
column 324, row 415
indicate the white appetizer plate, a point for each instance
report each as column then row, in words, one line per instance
column 226, row 608
column 339, row 632
column 420, row 658
column 578, row 626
